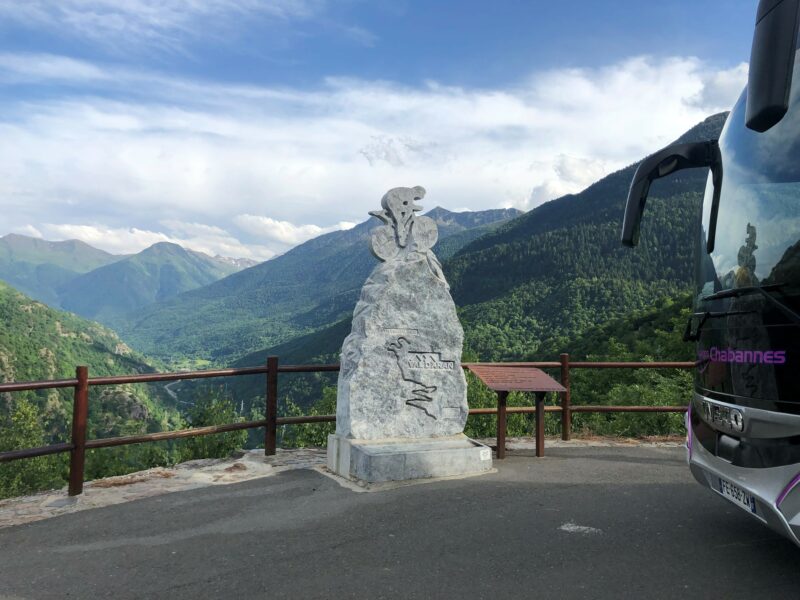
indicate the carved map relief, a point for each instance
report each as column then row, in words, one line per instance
column 401, row 372
column 409, row 364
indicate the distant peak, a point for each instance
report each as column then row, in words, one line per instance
column 438, row 211
column 708, row 128
column 471, row 218
column 164, row 246
column 163, row 249
column 21, row 238
column 241, row 263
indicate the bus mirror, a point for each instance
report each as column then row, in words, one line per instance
column 670, row 159
column 771, row 63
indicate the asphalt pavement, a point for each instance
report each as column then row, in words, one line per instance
column 578, row 523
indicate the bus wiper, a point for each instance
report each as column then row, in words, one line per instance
column 693, row 336
column 764, row 290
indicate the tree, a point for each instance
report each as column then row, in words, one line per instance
column 22, row 428
column 311, row 434
column 213, row 409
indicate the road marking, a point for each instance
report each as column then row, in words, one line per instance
column 571, row 527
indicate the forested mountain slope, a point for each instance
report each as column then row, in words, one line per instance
column 155, row 274
column 38, row 342
column 559, row 270
column 309, row 287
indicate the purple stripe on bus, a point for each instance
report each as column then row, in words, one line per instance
column 689, row 429
column 792, row 484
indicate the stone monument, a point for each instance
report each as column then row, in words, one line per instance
column 402, row 395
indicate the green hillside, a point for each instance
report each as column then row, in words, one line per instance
column 449, row 245
column 38, row 342
column 654, row 333
column 559, row 270
column 39, row 268
column 155, row 274
column 309, row 287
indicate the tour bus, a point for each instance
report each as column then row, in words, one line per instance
column 743, row 423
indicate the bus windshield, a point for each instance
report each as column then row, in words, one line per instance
column 757, row 242
column 747, row 302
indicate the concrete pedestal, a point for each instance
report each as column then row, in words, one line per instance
column 397, row 459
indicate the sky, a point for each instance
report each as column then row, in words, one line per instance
column 245, row 127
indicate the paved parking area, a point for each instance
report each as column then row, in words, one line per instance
column 604, row 522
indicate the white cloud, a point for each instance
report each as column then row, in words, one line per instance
column 29, row 230
column 201, row 238
column 215, row 241
column 285, row 232
column 720, row 88
column 160, row 24
column 194, row 229
column 395, row 152
column 565, row 174
column 113, row 240
column 33, row 67
column 264, row 159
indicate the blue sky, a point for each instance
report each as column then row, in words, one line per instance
column 242, row 127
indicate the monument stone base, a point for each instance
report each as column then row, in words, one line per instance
column 398, row 459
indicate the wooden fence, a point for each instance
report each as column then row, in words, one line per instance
column 271, row 369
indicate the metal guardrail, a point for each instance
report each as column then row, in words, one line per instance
column 82, row 382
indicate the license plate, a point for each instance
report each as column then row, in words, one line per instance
column 736, row 495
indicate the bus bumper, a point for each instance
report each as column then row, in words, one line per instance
column 774, row 492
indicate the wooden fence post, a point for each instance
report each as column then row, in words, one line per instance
column 566, row 411
column 501, row 424
column 80, row 412
column 271, row 433
column 539, row 423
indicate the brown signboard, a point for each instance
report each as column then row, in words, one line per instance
column 515, row 379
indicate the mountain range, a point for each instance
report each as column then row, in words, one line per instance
column 39, row 268
column 155, row 274
column 309, row 287
column 525, row 283
column 102, row 286
column 525, row 286
column 552, row 280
